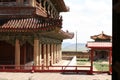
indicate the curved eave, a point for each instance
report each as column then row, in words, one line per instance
column 59, row 35
column 66, row 35
column 101, row 36
column 60, row 5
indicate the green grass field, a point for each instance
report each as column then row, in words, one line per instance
column 82, row 61
column 98, row 64
column 101, row 66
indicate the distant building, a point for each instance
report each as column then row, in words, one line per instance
column 102, row 46
column 30, row 30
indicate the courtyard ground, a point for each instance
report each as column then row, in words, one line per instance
column 53, row 76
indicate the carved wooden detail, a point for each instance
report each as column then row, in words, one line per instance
column 16, row 11
column 23, row 38
column 46, row 40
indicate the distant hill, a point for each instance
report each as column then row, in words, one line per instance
column 72, row 47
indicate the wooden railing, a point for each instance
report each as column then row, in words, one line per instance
column 40, row 10
column 63, row 69
column 23, row 68
column 39, row 6
column 13, row 4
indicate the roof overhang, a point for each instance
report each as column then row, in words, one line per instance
column 58, row 34
column 99, row 45
column 101, row 36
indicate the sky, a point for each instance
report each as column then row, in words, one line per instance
column 87, row 18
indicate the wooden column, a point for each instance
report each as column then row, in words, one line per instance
column 56, row 50
column 91, row 68
column 25, row 54
column 40, row 54
column 58, row 54
column 36, row 52
column 110, row 61
column 17, row 53
column 60, row 51
column 48, row 55
column 54, row 54
column 44, row 53
column 51, row 54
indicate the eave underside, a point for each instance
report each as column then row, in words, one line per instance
column 45, row 37
column 99, row 45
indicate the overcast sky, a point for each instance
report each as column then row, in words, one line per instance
column 87, row 18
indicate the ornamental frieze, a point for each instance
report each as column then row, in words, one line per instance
column 45, row 40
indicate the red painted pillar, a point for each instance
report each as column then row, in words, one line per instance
column 24, row 53
column 110, row 61
column 17, row 54
column 91, row 57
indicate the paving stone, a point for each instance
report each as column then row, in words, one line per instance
column 52, row 76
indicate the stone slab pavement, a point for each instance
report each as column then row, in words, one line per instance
column 52, row 76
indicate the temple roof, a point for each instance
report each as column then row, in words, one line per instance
column 101, row 36
column 29, row 24
column 41, row 26
column 60, row 5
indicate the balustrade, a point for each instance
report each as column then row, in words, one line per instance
column 8, row 4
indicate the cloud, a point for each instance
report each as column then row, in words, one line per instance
column 88, row 17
